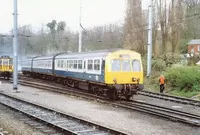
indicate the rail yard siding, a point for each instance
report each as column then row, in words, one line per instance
column 130, row 122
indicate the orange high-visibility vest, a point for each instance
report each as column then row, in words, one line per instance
column 162, row 80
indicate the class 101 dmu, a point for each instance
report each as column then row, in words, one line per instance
column 116, row 73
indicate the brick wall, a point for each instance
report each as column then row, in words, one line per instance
column 190, row 47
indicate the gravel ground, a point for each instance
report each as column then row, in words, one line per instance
column 10, row 123
column 130, row 122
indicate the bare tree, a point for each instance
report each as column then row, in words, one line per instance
column 134, row 28
column 176, row 24
column 163, row 19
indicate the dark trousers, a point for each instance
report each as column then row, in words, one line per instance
column 162, row 87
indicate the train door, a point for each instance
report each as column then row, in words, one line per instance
column 1, row 64
column 84, row 67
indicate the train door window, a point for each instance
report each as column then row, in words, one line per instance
column 49, row 64
column 80, row 62
column 116, row 65
column 65, row 64
column 126, row 65
column 90, row 65
column 43, row 63
column 46, row 63
column 75, row 64
column 136, row 66
column 68, row 61
column 103, row 65
column 97, row 65
column 1, row 61
column 58, row 63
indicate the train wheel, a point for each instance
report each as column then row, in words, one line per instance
column 112, row 94
column 128, row 97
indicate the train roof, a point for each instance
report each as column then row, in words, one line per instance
column 97, row 53
column 5, row 57
column 43, row 57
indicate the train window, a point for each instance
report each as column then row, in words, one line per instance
column 5, row 62
column 58, row 63
column 71, row 65
column 90, row 65
column 116, row 65
column 97, row 65
column 0, row 61
column 75, row 64
column 11, row 62
column 136, row 66
column 61, row 63
column 126, row 65
column 80, row 64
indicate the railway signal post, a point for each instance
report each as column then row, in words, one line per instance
column 15, row 47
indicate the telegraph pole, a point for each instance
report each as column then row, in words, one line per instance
column 149, row 53
column 80, row 28
column 15, row 47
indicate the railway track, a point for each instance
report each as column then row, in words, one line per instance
column 167, row 113
column 166, row 97
column 63, row 123
column 170, row 98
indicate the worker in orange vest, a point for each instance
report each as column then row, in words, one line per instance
column 162, row 83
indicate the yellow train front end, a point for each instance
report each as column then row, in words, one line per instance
column 124, row 72
column 6, row 67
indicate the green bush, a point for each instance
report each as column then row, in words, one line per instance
column 170, row 58
column 193, row 60
column 185, row 78
column 158, row 65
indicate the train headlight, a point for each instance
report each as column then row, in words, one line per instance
column 134, row 79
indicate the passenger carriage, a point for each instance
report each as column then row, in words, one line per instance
column 115, row 73
column 6, row 66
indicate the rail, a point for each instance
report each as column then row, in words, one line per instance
column 170, row 98
column 164, row 112
column 62, row 122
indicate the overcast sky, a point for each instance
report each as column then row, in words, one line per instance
column 36, row 12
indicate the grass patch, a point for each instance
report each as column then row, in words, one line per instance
column 182, row 93
column 150, row 85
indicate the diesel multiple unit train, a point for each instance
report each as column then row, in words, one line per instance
column 6, row 66
column 116, row 73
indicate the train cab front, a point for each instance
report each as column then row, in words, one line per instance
column 125, row 73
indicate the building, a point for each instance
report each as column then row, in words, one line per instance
column 194, row 46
